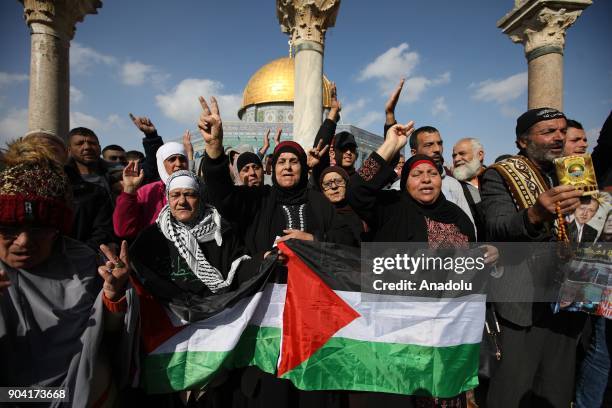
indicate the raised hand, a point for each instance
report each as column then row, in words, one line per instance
column 277, row 136
column 315, row 154
column 115, row 272
column 335, row 103
column 143, row 123
column 400, row 133
column 187, row 144
column 211, row 127
column 395, row 140
column 133, row 177
column 336, row 107
column 392, row 102
column 266, row 144
column 210, row 121
column 266, row 140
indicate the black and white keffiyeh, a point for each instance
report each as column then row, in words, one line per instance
column 186, row 238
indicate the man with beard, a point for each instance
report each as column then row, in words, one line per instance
column 468, row 157
column 575, row 139
column 426, row 140
column 521, row 201
column 84, row 152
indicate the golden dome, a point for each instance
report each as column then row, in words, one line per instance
column 274, row 83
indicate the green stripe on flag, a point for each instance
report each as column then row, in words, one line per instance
column 389, row 367
column 184, row 370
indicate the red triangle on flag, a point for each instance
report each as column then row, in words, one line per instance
column 155, row 324
column 313, row 313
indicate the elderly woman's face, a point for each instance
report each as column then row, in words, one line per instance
column 184, row 204
column 334, row 187
column 424, row 183
column 25, row 247
column 287, row 170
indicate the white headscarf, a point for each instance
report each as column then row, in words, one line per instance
column 167, row 150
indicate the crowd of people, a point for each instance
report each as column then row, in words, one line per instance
column 78, row 222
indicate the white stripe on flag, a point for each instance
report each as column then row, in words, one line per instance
column 436, row 323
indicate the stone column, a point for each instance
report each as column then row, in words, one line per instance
column 540, row 25
column 52, row 26
column 306, row 22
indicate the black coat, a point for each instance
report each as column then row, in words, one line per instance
column 258, row 215
column 93, row 212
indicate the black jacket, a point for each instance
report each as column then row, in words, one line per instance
column 93, row 212
column 151, row 143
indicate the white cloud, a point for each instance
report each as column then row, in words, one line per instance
column 13, row 125
column 112, row 121
column 117, row 121
column 136, row 73
column 8, row 79
column 83, row 58
column 510, row 111
column 370, row 118
column 415, row 86
column 133, row 73
column 350, row 108
column 440, row 107
column 75, row 95
column 398, row 62
column 80, row 119
column 502, row 90
column 391, row 65
column 181, row 103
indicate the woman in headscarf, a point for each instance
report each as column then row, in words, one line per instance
column 334, row 182
column 189, row 255
column 189, row 244
column 270, row 214
column 418, row 212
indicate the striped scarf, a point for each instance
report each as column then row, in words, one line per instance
column 186, row 239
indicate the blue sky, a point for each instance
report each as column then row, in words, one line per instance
column 153, row 57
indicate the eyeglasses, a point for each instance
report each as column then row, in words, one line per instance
column 331, row 183
column 11, row 233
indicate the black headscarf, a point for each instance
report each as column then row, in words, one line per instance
column 441, row 210
column 297, row 194
column 247, row 158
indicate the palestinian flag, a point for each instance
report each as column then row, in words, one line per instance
column 238, row 329
column 318, row 331
column 337, row 338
